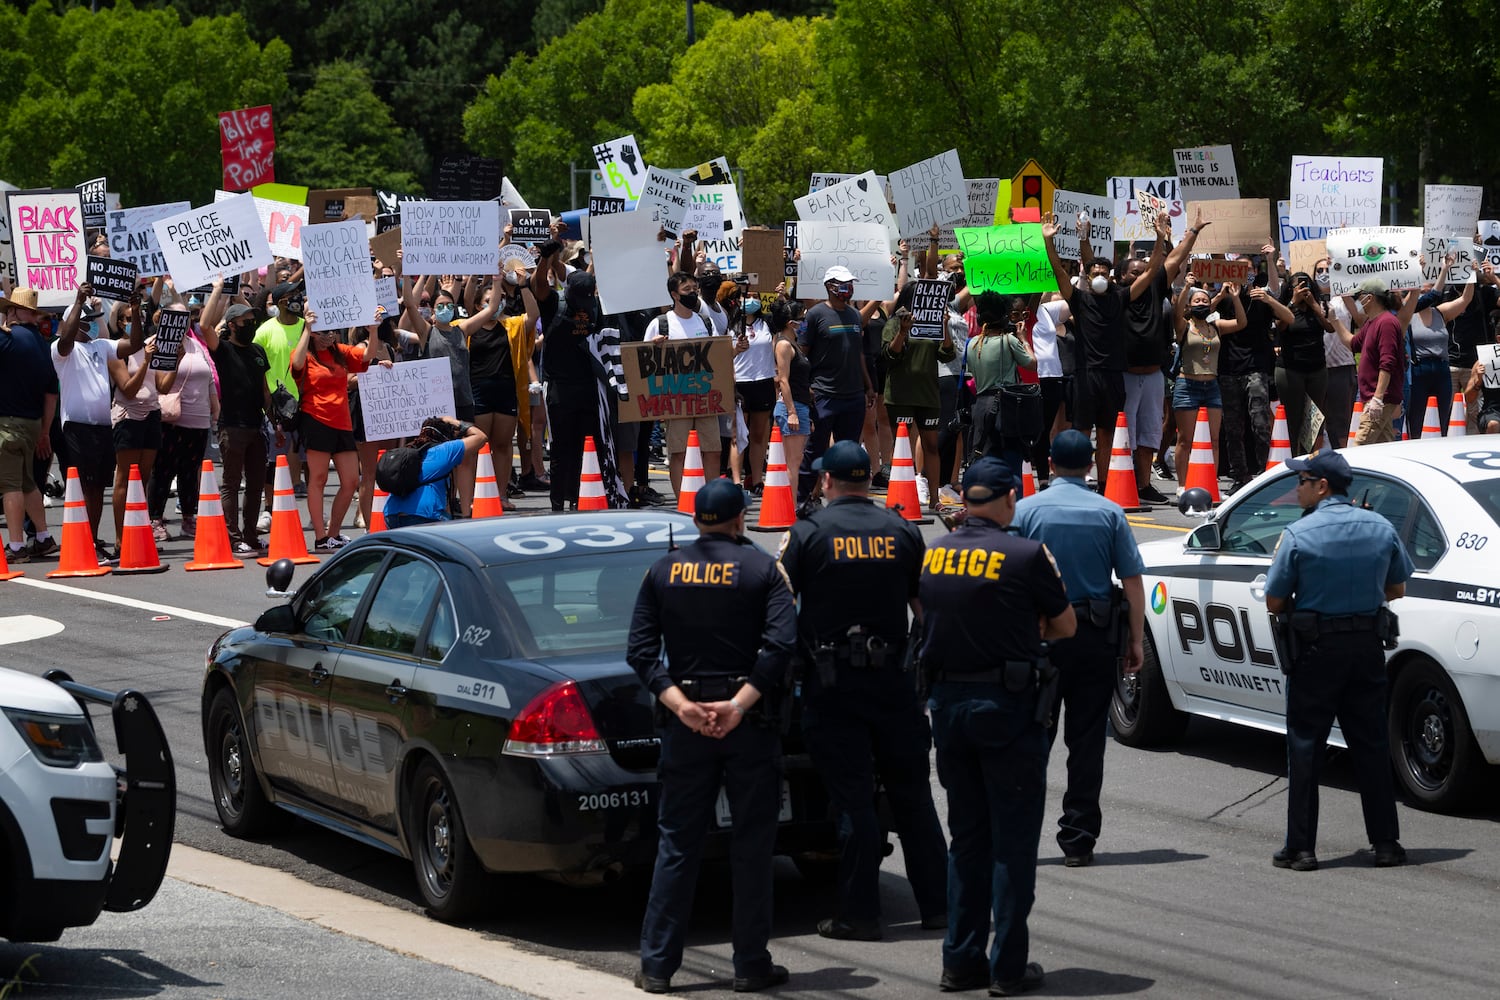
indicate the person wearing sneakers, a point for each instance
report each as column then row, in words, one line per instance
column 1092, row 541
column 833, row 340
column 855, row 567
column 278, row 336
column 686, row 320
column 28, row 402
column 911, row 388
column 443, row 443
column 1337, row 566
column 244, row 402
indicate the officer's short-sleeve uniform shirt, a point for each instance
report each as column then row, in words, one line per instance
column 1087, row 535
column 1338, row 560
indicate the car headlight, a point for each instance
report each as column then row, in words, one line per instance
column 57, row 740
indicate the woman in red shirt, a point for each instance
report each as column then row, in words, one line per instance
column 322, row 367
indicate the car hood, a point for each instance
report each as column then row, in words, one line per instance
column 29, row 692
column 1165, row 552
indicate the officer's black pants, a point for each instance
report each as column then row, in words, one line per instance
column 873, row 723
column 1086, row 665
column 1342, row 674
column 747, row 764
column 572, row 415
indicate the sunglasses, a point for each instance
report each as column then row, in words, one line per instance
column 1304, row 480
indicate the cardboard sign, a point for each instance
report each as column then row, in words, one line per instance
column 676, row 379
column 862, row 247
column 46, row 229
column 859, row 199
column 1336, row 191
column 665, row 196
column 929, row 309
column 929, row 193
column 95, row 202
column 1451, row 209
column 1206, row 173
column 387, row 296
column 171, row 327
column 132, row 235
column 1066, row 207
column 763, row 254
column 247, row 146
column 1217, row 270
column 397, row 399
column 1490, row 355
column 1133, row 222
column 530, row 225
column 219, row 239
column 1240, row 225
column 384, row 247
column 340, row 284
column 1391, row 253
column 622, row 166
column 450, row 237
column 112, row 279
column 628, row 262
column 468, row 178
column 341, row 204
column 1303, row 255
column 1010, row 260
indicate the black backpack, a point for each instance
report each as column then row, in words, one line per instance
column 399, row 471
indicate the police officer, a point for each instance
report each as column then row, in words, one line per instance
column 725, row 613
column 1091, row 539
column 989, row 600
column 1338, row 564
column 855, row 567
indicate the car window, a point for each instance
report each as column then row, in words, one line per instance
column 1425, row 544
column 334, row 596
column 443, row 632
column 1487, row 492
column 1386, row 497
column 400, row 605
column 1255, row 524
column 575, row 604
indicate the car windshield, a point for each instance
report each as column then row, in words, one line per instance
column 576, row 604
column 1487, row 492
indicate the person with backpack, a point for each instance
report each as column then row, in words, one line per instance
column 416, row 477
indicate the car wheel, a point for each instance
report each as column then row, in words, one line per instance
column 452, row 882
column 1437, row 760
column 244, row 810
column 817, row 870
column 1141, row 711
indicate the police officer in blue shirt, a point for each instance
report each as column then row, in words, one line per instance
column 989, row 600
column 855, row 567
column 724, row 612
column 1337, row 566
column 1090, row 539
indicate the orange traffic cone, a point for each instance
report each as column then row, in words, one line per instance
column 902, row 492
column 1458, row 417
column 137, row 546
column 78, row 557
column 6, row 573
column 486, row 490
column 1432, row 423
column 778, row 509
column 211, row 544
column 591, row 480
column 1028, row 479
column 288, row 540
column 377, row 504
column 1281, row 440
column 692, row 475
column 1202, row 470
column 1354, row 421
column 1119, row 482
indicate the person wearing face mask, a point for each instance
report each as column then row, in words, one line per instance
column 713, row 288
column 189, row 400
column 244, row 403
column 572, row 378
column 754, row 380
column 1470, row 328
column 1382, row 315
column 833, row 341
column 1427, row 375
column 686, row 321
column 28, row 400
column 278, row 336
column 81, row 356
column 1343, row 375
column 1200, row 329
column 500, row 364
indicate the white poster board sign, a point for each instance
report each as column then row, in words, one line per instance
column 1066, row 206
column 665, row 197
column 1131, row 223
column 1467, row 256
column 1339, row 191
column 862, row 247
column 983, row 193
column 1289, row 233
column 622, row 168
column 281, row 221
column 1451, row 209
column 132, row 236
column 397, row 399
column 340, row 283
column 724, row 250
column 47, row 233
column 629, row 264
column 387, row 296
column 1490, row 355
column 858, row 199
column 509, row 196
column 224, row 238
column 1206, row 173
column 706, row 218
column 1391, row 253
column 929, row 193
column 1489, row 238
column 450, row 237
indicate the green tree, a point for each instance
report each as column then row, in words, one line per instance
column 342, row 135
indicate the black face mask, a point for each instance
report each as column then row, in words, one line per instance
column 709, row 284
column 243, row 334
column 689, row 300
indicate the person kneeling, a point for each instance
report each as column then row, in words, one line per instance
column 417, row 476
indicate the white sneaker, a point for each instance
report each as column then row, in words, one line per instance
column 949, row 495
column 264, row 523
column 923, row 495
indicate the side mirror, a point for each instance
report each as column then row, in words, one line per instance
column 281, row 618
column 1205, row 537
column 279, row 578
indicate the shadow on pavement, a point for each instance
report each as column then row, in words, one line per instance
column 1093, row 983
column 1156, row 856
column 54, row 971
column 1365, row 858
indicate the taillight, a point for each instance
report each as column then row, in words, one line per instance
column 557, row 721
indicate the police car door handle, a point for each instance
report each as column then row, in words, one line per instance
column 1258, row 587
column 395, row 691
column 319, row 675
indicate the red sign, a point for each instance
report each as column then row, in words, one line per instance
column 247, row 142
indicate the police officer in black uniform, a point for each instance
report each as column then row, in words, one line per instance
column 990, row 599
column 1333, row 571
column 724, row 611
column 856, row 567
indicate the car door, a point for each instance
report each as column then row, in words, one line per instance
column 368, row 697
column 291, row 679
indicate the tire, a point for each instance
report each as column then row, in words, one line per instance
column 1141, row 711
column 453, row 884
column 244, row 811
column 1437, row 761
column 817, row 871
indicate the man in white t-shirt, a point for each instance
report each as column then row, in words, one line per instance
column 81, row 356
column 682, row 323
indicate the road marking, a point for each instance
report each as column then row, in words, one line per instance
column 1157, row 525
column 130, row 602
column 24, row 628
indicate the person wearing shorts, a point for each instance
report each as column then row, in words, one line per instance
column 911, row 391
column 683, row 322
column 28, row 399
column 1197, row 386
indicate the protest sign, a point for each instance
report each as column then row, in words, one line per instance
column 674, row 379
column 397, row 399
column 1304, row 255
column 1490, row 355
column 1066, row 207
column 468, row 178
column 384, row 247
column 1217, row 270
column 509, row 196
column 1467, row 256
column 622, row 167
column 1288, row 233
column 1006, row 259
column 112, row 279
column 171, row 326
column 1134, row 223
column 336, row 266
column 1336, row 191
column 340, row 204
column 725, row 249
column 706, row 218
column 7, row 254
column 46, row 227
column 95, row 202
column 450, row 237
column 530, row 225
column 789, row 249
column 715, row 171
column 817, row 182
column 606, row 206
column 665, row 197
column 1489, row 238
column 862, row 247
column 132, row 235
column 929, row 309
column 1206, row 173
column 1391, row 253
column 281, row 222
column 1240, row 225
column 288, row 194
column 387, row 296
column 762, row 254
column 929, row 192
column 859, row 199
column 629, row 264
column 203, row 243
column 984, row 195
column 247, row 146
column 1451, row 209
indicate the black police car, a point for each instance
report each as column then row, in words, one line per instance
column 458, row 694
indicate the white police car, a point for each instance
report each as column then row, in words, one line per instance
column 62, row 805
column 1209, row 650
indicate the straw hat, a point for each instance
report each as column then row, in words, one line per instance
column 21, row 298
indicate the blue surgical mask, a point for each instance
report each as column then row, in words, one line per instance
column 443, row 313
column 752, row 306
column 89, row 329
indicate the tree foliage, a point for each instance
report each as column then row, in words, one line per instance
column 342, row 135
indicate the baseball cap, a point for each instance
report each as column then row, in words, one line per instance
column 1071, row 450
column 718, row 501
column 236, row 311
column 284, row 289
column 987, row 479
column 1329, row 465
column 846, row 460
column 1371, row 285
column 837, row 272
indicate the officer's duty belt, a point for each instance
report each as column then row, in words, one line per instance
column 1346, row 623
column 721, row 687
column 994, row 676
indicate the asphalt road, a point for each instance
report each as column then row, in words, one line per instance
column 1183, row 900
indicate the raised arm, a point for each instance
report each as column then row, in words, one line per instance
column 1140, row 286
column 1228, row 326
column 1049, row 237
column 1182, row 252
column 1452, row 310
